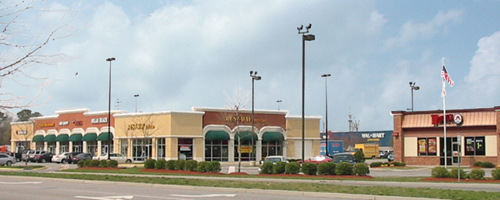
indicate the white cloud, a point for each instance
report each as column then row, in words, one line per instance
column 411, row 31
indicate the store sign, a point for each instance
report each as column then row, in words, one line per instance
column 140, row 126
column 46, row 125
column 246, row 149
column 22, row 132
column 185, row 148
column 99, row 120
column 78, row 123
column 450, row 118
column 372, row 137
column 243, row 119
column 64, row 123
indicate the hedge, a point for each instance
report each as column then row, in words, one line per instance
column 202, row 166
column 103, row 163
column 191, row 165
column 343, row 168
column 160, row 164
column 279, row 167
column 361, row 169
column 309, row 168
column 476, row 174
column 440, row 172
column 149, row 164
column 292, row 168
column 179, row 164
column 327, row 168
column 495, row 174
column 170, row 165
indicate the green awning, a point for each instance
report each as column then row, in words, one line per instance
column 50, row 138
column 75, row 137
column 272, row 136
column 38, row 138
column 246, row 136
column 217, row 135
column 62, row 138
column 89, row 137
column 104, row 136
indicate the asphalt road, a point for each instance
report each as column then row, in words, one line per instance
column 56, row 189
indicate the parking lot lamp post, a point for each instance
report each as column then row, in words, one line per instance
column 254, row 76
column 308, row 37
column 109, row 108
column 413, row 87
column 326, row 112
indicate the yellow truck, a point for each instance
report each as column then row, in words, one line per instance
column 370, row 150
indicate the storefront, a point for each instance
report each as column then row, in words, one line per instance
column 471, row 135
column 210, row 134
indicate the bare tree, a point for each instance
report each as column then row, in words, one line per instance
column 236, row 104
column 26, row 129
column 21, row 42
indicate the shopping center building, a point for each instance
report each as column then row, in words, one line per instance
column 201, row 134
column 471, row 135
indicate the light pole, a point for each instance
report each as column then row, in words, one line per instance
column 136, row 95
column 413, row 87
column 326, row 112
column 109, row 108
column 309, row 37
column 279, row 101
column 254, row 76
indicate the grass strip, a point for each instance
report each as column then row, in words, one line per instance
column 310, row 187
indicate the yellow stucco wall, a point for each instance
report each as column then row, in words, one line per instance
column 21, row 132
column 410, row 145
column 294, row 134
column 491, row 145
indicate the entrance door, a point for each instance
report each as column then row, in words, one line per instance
column 452, row 150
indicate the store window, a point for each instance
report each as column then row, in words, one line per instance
column 92, row 147
column 272, row 148
column 427, row 146
column 475, row 146
column 124, row 147
column 141, row 149
column 216, row 150
column 77, row 147
column 63, row 147
column 160, row 151
column 185, row 148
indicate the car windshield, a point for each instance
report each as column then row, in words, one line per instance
column 273, row 159
column 342, row 158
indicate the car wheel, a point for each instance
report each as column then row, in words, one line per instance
column 9, row 163
column 63, row 161
column 128, row 161
column 43, row 160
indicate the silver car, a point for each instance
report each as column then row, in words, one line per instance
column 6, row 159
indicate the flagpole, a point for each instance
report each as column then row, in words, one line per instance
column 444, row 122
column 444, row 118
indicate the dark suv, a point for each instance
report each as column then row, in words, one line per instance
column 44, row 157
column 343, row 157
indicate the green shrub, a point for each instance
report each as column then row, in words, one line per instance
column 399, row 164
column 495, row 174
column 279, row 167
column 292, row 168
column 202, row 166
column 113, row 163
column 170, row 165
column 191, row 165
column 160, row 164
column 179, row 164
column 87, row 163
column 266, row 168
column 454, row 173
column 487, row 165
column 343, row 168
column 477, row 164
column 149, row 164
column 476, row 174
column 359, row 156
column 309, row 168
column 376, row 164
column 81, row 163
column 326, row 168
column 103, row 163
column 94, row 163
column 361, row 169
column 440, row 172
column 213, row 166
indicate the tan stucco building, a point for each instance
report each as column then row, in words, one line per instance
column 200, row 134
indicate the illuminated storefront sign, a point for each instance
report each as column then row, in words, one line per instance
column 242, row 119
column 450, row 118
column 47, row 125
column 99, row 120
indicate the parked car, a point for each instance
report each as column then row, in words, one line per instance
column 115, row 156
column 26, row 154
column 384, row 154
column 6, row 159
column 61, row 158
column 343, row 157
column 71, row 156
column 31, row 157
column 318, row 159
column 274, row 159
column 390, row 157
column 43, row 158
column 81, row 156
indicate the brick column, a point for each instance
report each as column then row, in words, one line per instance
column 398, row 136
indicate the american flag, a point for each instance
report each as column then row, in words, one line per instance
column 446, row 76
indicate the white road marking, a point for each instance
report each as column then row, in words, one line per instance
column 19, row 183
column 106, row 197
column 203, row 195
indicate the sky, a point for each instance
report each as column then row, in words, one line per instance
column 181, row 54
